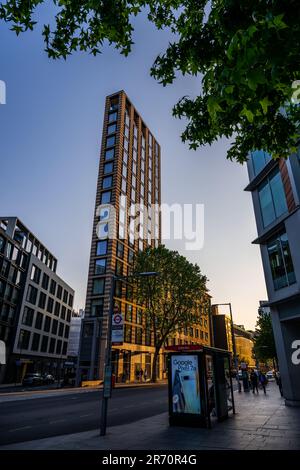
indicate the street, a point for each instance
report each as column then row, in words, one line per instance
column 37, row 418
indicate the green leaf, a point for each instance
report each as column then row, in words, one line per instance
column 247, row 113
column 213, row 107
column 265, row 103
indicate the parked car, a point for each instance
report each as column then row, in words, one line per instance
column 32, row 379
column 48, row 379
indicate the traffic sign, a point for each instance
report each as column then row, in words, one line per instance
column 117, row 329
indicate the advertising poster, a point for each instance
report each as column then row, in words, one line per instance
column 185, row 384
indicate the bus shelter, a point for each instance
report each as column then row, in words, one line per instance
column 200, row 385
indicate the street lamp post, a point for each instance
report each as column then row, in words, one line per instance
column 108, row 366
column 236, row 365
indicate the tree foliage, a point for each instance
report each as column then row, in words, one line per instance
column 246, row 54
column 171, row 299
column 264, row 343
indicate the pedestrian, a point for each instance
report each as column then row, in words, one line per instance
column 254, row 381
column 263, row 381
column 145, row 375
column 141, row 375
column 278, row 381
column 245, row 379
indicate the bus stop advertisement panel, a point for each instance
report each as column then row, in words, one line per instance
column 190, row 401
column 186, row 390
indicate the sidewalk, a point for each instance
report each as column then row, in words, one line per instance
column 261, row 422
column 52, row 391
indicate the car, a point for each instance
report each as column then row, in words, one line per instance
column 32, row 379
column 48, row 379
column 270, row 375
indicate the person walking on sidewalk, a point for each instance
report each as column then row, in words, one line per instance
column 263, row 381
column 254, row 381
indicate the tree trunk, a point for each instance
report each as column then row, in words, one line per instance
column 154, row 364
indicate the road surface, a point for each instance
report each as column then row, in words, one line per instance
column 37, row 418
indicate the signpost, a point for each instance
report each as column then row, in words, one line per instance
column 117, row 331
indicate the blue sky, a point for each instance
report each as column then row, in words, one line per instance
column 50, row 134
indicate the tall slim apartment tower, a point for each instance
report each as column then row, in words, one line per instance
column 129, row 173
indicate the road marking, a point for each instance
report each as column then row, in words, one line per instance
column 57, row 421
column 84, row 416
column 20, row 429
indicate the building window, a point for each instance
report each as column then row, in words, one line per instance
column 98, row 286
column 54, row 326
column 52, row 287
column 2, row 243
column 65, row 299
column 272, row 198
column 112, row 116
column 128, row 334
column 45, row 282
column 70, row 303
column 39, row 321
column 110, row 141
column 58, row 346
column 28, row 316
column 139, row 316
column 259, row 160
column 52, row 346
column 57, row 309
column 32, row 294
column 97, row 308
column 59, row 292
column 61, row 329
column 108, row 168
column 109, row 154
column 100, row 266
column 35, row 342
column 111, row 129
column 106, row 197
column 50, row 305
column 119, row 268
column 65, row 346
column 138, row 335
column 24, row 339
column 128, row 315
column 101, row 248
column 67, row 329
column 35, row 274
column 42, row 300
column 63, row 312
column 120, row 250
column 44, row 344
column 47, row 324
column 281, row 262
column 69, row 316
column 107, row 182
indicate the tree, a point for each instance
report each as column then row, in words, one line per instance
column 172, row 299
column 246, row 54
column 264, row 343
